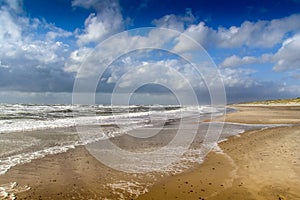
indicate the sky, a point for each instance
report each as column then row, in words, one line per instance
column 47, row 47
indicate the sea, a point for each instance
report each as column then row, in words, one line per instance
column 30, row 131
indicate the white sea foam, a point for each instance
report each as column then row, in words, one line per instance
column 34, row 122
column 85, row 138
column 9, row 190
column 133, row 188
column 7, row 126
column 8, row 162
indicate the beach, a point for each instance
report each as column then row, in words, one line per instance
column 263, row 163
column 259, row 164
column 149, row 100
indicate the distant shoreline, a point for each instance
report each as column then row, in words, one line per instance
column 292, row 101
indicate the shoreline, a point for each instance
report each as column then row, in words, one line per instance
column 258, row 164
column 76, row 174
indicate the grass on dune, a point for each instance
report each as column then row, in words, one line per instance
column 278, row 101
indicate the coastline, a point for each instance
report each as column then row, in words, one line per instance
column 258, row 164
column 234, row 172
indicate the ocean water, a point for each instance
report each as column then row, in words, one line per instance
column 29, row 131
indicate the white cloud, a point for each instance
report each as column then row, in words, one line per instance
column 178, row 74
column 176, row 22
column 288, row 56
column 15, row 5
column 108, row 20
column 239, row 78
column 19, row 39
column 114, row 47
column 164, row 72
column 239, row 82
column 56, row 32
column 76, row 59
column 35, row 57
column 11, row 34
column 260, row 34
column 43, row 52
column 263, row 34
column 201, row 33
column 85, row 4
column 236, row 61
column 31, row 52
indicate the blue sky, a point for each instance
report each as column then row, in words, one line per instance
column 254, row 44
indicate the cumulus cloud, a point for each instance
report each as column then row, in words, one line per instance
column 204, row 35
column 264, row 34
column 286, row 57
column 11, row 34
column 55, row 32
column 164, row 72
column 236, row 61
column 30, row 61
column 260, row 34
column 129, row 71
column 76, row 58
column 240, row 83
column 34, row 55
column 237, row 81
column 176, row 22
column 107, row 20
column 19, row 38
column 15, row 5
column 241, row 86
column 238, row 78
column 101, row 56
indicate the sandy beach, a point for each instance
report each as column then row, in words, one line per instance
column 258, row 164
column 149, row 100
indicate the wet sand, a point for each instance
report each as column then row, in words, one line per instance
column 260, row 164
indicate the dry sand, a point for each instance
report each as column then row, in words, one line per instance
column 265, row 114
column 261, row 164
